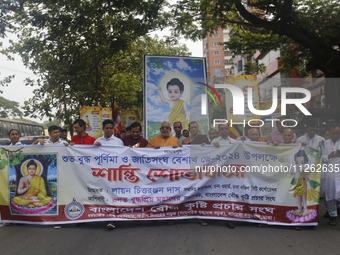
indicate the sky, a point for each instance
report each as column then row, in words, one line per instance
column 17, row 91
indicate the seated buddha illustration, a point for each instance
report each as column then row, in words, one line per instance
column 31, row 196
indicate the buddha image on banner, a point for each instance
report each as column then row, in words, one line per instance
column 172, row 92
column 33, row 185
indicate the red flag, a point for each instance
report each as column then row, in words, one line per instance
column 115, row 116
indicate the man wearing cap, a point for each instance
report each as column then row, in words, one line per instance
column 63, row 134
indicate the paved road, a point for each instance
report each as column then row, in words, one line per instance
column 157, row 237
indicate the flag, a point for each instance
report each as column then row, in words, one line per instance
column 115, row 116
column 235, row 132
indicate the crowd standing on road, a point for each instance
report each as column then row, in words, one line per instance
column 325, row 135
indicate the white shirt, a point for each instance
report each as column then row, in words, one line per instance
column 49, row 142
column 314, row 142
column 239, row 139
column 331, row 179
column 221, row 141
column 112, row 141
column 18, row 143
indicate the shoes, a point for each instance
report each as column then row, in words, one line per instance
column 332, row 221
column 230, row 224
column 202, row 222
column 110, row 226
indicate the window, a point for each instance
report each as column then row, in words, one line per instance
column 2, row 131
column 216, row 61
column 227, row 61
column 239, row 66
column 217, row 72
column 215, row 35
column 216, row 44
column 7, row 128
column 216, row 52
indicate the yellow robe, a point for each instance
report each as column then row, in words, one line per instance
column 37, row 189
column 300, row 188
column 174, row 117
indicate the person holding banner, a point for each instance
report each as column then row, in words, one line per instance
column 135, row 140
column 14, row 136
column 195, row 137
column 310, row 138
column 212, row 134
column 108, row 138
column 178, row 131
column 224, row 138
column 54, row 133
column 330, row 182
column 81, row 137
column 277, row 136
column 287, row 136
column 164, row 139
column 253, row 136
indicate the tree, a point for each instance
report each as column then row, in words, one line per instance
column 308, row 29
column 9, row 108
column 70, row 45
column 121, row 77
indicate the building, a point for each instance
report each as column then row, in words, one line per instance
column 221, row 61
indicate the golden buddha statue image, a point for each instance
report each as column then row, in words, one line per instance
column 31, row 191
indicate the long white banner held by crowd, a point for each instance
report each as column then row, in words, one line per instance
column 251, row 182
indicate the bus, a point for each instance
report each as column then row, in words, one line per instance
column 29, row 131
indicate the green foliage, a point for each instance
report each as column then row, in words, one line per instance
column 251, row 67
column 3, row 163
column 50, row 123
column 86, row 52
column 306, row 29
column 9, row 108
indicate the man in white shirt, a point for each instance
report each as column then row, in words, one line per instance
column 330, row 183
column 224, row 138
column 108, row 138
column 311, row 138
column 54, row 133
column 14, row 136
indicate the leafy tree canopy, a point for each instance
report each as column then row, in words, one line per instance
column 72, row 45
column 9, row 108
column 304, row 30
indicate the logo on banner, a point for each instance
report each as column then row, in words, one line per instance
column 74, row 210
column 238, row 100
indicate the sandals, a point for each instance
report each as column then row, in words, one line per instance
column 202, row 222
column 332, row 221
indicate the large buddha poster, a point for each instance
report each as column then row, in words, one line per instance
column 33, row 184
column 173, row 88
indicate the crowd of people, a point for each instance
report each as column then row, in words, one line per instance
column 315, row 135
